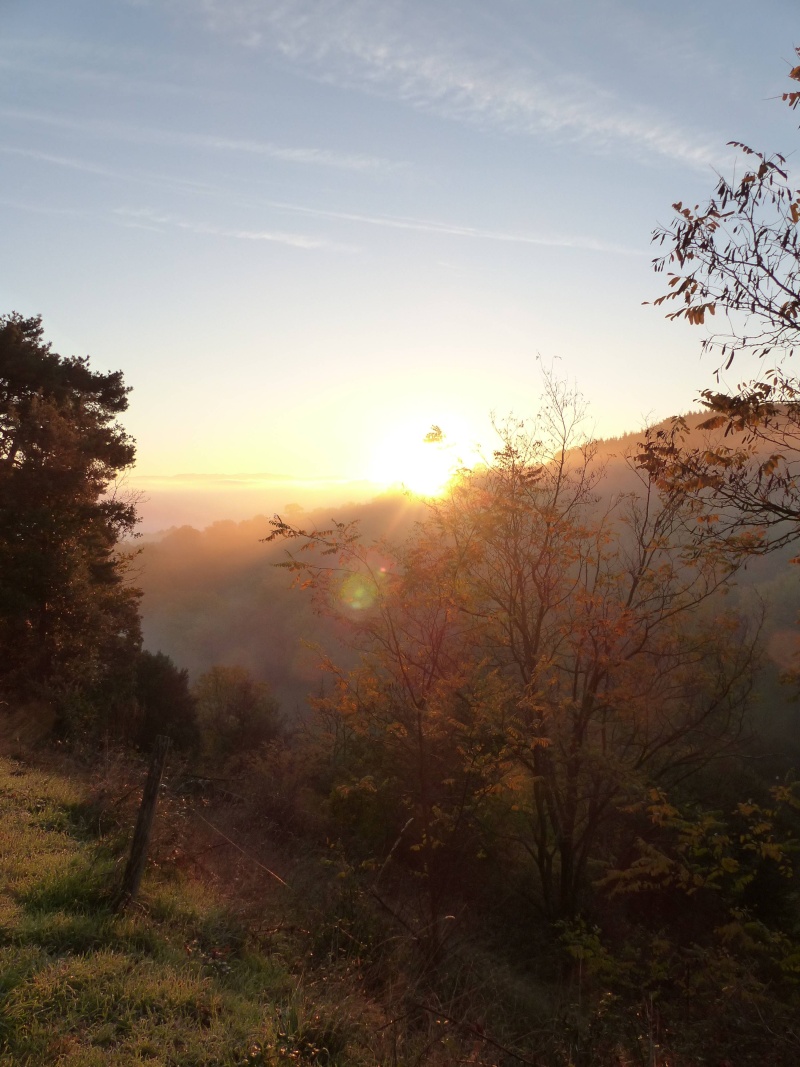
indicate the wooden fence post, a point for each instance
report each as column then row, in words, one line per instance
column 144, row 823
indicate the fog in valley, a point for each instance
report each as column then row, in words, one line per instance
column 215, row 596
column 199, row 500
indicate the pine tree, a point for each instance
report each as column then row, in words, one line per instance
column 68, row 614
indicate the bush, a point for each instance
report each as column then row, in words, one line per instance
column 236, row 714
column 165, row 704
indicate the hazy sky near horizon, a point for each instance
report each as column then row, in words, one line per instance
column 303, row 227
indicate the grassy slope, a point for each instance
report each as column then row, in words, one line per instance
column 252, row 973
column 215, row 965
column 170, row 982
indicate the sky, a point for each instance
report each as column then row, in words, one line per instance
column 307, row 230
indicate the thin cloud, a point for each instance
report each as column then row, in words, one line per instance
column 61, row 161
column 146, row 219
column 42, row 209
column 320, row 157
column 315, row 156
column 427, row 226
column 150, row 219
column 385, row 50
column 87, row 167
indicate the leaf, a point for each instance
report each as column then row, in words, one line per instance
column 769, row 465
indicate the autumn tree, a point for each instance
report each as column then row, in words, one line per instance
column 597, row 613
column 410, row 729
column 733, row 268
column 739, row 255
column 68, row 611
column 535, row 655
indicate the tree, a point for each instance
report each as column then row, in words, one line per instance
column 68, row 613
column 165, row 703
column 413, row 729
column 596, row 611
column 236, row 714
column 535, row 655
column 702, row 942
column 739, row 256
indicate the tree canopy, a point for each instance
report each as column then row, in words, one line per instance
column 733, row 267
column 68, row 612
column 739, row 255
column 535, row 657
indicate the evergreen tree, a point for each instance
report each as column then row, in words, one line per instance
column 69, row 621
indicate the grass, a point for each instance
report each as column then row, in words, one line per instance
column 216, row 964
column 167, row 983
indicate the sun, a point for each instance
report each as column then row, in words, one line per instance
column 413, row 458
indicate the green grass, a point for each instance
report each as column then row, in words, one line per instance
column 170, row 982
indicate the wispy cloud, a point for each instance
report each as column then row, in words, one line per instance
column 61, row 161
column 88, row 167
column 387, row 49
column 146, row 218
column 320, row 157
column 454, row 230
column 149, row 219
column 39, row 208
column 154, row 220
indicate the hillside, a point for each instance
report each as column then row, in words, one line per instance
column 443, row 864
column 172, row 981
column 216, row 965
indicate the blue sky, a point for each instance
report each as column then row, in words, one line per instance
column 298, row 227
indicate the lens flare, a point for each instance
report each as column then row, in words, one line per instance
column 357, row 592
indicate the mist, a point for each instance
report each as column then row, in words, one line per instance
column 199, row 500
column 215, row 596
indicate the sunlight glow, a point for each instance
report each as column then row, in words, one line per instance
column 405, row 459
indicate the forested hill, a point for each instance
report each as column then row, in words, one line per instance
column 216, row 596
